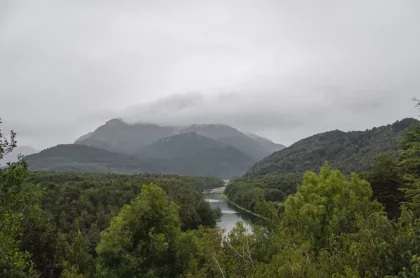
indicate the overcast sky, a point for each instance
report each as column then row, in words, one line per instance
column 282, row 69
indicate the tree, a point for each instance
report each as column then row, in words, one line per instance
column 78, row 263
column 386, row 182
column 141, row 240
column 328, row 205
column 13, row 202
column 7, row 144
column 410, row 167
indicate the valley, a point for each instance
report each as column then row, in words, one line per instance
column 204, row 199
column 120, row 147
column 230, row 213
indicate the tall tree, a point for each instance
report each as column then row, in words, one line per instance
column 13, row 202
column 328, row 205
column 141, row 240
column 410, row 167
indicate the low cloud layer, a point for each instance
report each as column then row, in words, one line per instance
column 284, row 119
column 278, row 68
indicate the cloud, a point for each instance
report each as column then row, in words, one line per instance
column 279, row 68
column 266, row 113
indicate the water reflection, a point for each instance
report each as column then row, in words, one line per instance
column 230, row 213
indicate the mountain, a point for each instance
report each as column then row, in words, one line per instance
column 83, row 137
column 184, row 144
column 13, row 156
column 119, row 136
column 231, row 136
column 194, row 154
column 183, row 154
column 80, row 158
column 214, row 131
column 267, row 143
column 352, row 151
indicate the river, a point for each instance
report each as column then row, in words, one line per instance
column 230, row 213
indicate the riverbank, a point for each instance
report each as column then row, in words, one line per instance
column 242, row 208
column 218, row 190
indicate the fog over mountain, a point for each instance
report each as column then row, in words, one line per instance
column 279, row 69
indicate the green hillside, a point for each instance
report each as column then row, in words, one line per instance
column 352, row 151
column 119, row 136
column 254, row 146
column 196, row 155
column 80, row 158
column 278, row 175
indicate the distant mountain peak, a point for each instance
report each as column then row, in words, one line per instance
column 118, row 135
column 115, row 121
column 121, row 121
column 217, row 125
column 178, row 136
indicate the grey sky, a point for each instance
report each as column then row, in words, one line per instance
column 283, row 69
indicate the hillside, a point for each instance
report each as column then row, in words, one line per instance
column 83, row 137
column 267, row 143
column 184, row 144
column 193, row 154
column 214, row 131
column 233, row 137
column 79, row 158
column 119, row 136
column 13, row 156
column 347, row 151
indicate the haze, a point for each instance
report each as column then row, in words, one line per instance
column 282, row 69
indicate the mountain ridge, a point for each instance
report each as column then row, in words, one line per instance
column 351, row 151
column 116, row 135
column 19, row 150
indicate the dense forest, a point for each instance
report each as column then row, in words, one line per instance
column 348, row 151
column 372, row 154
column 327, row 224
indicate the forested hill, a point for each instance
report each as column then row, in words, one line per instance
column 13, row 156
column 180, row 145
column 119, row 136
column 80, row 158
column 348, row 151
column 195, row 155
column 183, row 154
column 254, row 146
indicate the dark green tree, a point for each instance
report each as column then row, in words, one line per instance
column 13, row 203
column 141, row 240
column 410, row 167
column 386, row 182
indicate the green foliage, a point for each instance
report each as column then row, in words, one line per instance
column 77, row 260
column 141, row 240
column 332, row 228
column 328, row 205
column 17, row 200
column 106, row 225
column 385, row 180
column 87, row 202
column 7, row 144
column 410, row 167
column 80, row 158
column 348, row 151
column 275, row 188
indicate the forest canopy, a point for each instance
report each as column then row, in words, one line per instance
column 328, row 224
